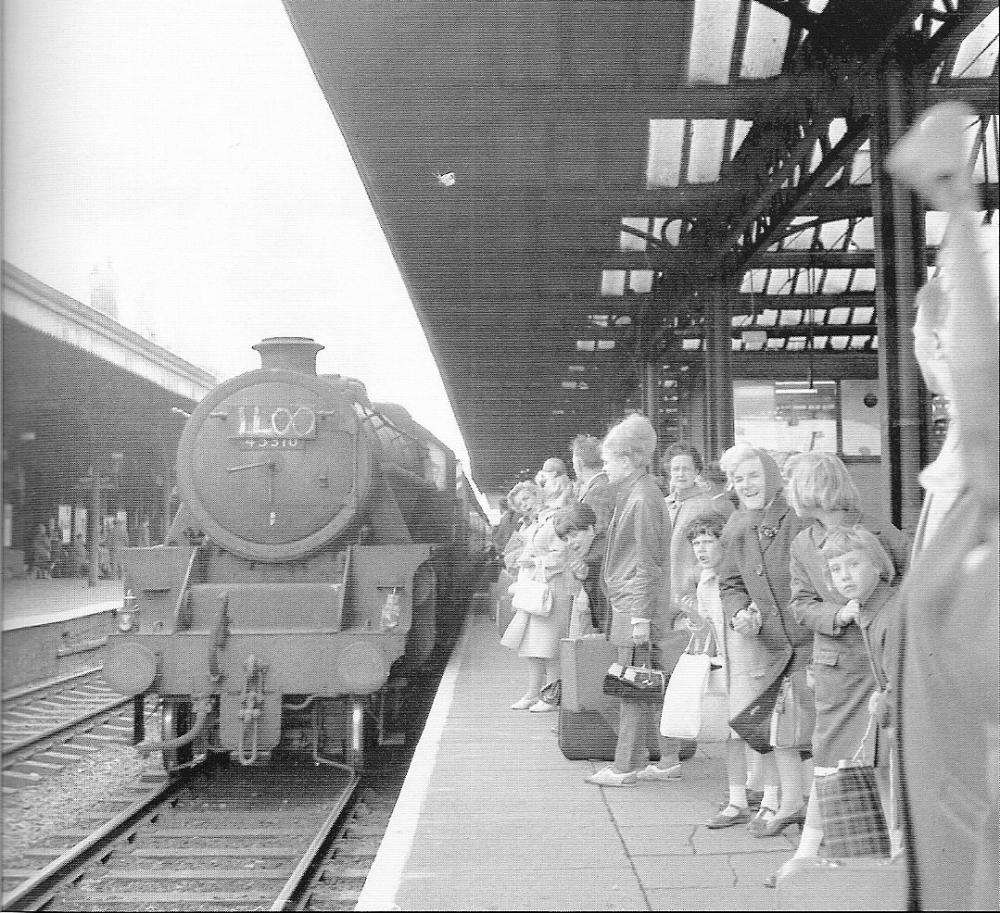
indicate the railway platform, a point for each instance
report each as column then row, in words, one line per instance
column 52, row 627
column 493, row 817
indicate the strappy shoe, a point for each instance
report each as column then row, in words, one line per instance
column 778, row 823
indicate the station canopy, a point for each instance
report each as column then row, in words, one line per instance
column 561, row 181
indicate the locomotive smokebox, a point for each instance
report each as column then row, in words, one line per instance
column 290, row 353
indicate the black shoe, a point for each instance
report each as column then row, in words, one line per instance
column 687, row 750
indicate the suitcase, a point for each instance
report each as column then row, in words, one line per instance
column 583, row 732
column 845, row 884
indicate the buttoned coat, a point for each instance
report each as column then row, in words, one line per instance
column 756, row 569
column 842, row 674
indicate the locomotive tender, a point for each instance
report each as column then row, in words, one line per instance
column 317, row 541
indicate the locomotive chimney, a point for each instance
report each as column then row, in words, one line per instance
column 290, row 353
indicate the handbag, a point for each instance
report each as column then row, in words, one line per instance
column 853, row 821
column 794, row 716
column 696, row 704
column 753, row 722
column 551, row 693
column 531, row 596
column 636, row 684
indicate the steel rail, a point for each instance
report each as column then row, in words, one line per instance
column 54, row 731
column 315, row 848
column 24, row 894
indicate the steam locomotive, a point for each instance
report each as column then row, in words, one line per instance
column 320, row 545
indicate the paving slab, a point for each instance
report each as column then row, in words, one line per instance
column 493, row 817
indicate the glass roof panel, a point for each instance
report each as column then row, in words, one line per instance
column 767, row 38
column 690, row 345
column 630, row 241
column 705, row 158
column 585, row 345
column 796, row 343
column 780, row 282
column 773, row 344
column 666, row 140
column 864, row 280
column 832, row 234
column 836, row 281
column 839, row 342
column 712, row 36
column 837, row 131
column 753, row 280
column 864, row 315
column 740, row 130
column 977, row 57
column 838, row 316
column 613, row 282
column 859, row 342
column 641, row 281
column 819, row 342
column 605, row 345
column 861, row 168
column 767, row 318
column 790, row 318
column 864, row 233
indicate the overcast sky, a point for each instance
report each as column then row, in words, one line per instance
column 187, row 142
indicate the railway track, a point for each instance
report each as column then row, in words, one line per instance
column 223, row 838
column 51, row 726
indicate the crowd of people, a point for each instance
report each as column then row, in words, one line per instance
column 842, row 641
column 55, row 554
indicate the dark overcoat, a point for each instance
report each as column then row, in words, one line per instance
column 756, row 569
column 842, row 673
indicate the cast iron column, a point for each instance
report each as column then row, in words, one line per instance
column 900, row 269
column 718, row 369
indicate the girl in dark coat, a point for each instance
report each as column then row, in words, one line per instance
column 754, row 586
column 821, row 491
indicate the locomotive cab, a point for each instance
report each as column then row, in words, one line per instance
column 298, row 588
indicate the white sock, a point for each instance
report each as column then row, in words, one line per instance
column 770, row 799
column 809, row 843
column 738, row 796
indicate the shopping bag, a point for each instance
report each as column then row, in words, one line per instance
column 531, row 595
column 794, row 716
column 682, row 703
column 853, row 820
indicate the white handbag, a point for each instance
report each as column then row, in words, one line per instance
column 531, row 595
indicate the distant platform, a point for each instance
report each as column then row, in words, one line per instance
column 54, row 627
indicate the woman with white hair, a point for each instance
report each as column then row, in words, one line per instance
column 636, row 579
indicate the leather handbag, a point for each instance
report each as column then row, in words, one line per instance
column 531, row 595
column 853, row 821
column 753, row 722
column 636, row 684
column 794, row 716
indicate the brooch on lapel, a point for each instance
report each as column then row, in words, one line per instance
column 768, row 532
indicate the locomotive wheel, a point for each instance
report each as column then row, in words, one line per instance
column 176, row 719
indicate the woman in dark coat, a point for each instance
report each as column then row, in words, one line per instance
column 636, row 580
column 755, row 590
column 821, row 491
